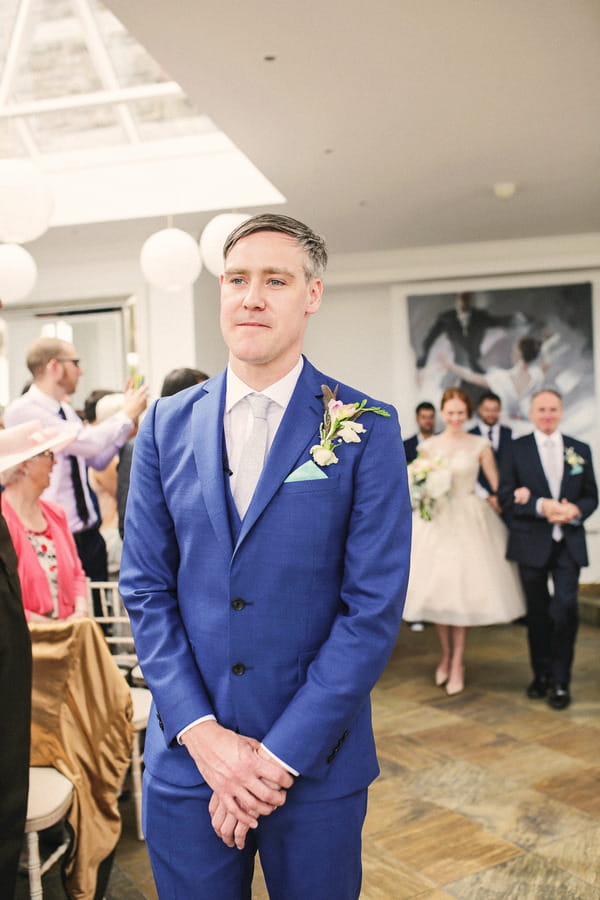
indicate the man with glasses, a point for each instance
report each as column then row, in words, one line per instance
column 56, row 369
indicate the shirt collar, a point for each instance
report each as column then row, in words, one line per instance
column 542, row 439
column 44, row 399
column 280, row 392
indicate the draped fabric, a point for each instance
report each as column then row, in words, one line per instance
column 81, row 725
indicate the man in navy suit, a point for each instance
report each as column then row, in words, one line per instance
column 548, row 481
column 500, row 436
column 425, row 416
column 264, row 608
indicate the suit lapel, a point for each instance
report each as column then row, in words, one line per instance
column 208, row 447
column 565, row 474
column 298, row 431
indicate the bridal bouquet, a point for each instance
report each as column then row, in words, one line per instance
column 428, row 480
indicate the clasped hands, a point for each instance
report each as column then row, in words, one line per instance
column 557, row 512
column 246, row 781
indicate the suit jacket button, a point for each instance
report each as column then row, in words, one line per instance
column 238, row 669
column 238, row 603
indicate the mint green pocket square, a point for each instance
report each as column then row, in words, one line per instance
column 308, row 471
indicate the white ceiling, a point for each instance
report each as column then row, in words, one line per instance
column 385, row 124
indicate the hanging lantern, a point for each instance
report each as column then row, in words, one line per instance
column 18, row 273
column 26, row 201
column 170, row 259
column 214, row 236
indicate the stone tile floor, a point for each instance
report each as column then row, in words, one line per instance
column 482, row 795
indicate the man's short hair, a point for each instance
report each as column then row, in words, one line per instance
column 489, row 395
column 42, row 351
column 312, row 243
column 179, row 379
column 425, row 405
column 547, row 390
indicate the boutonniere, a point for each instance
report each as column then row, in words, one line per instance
column 339, row 425
column 574, row 460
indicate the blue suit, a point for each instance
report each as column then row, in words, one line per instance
column 279, row 625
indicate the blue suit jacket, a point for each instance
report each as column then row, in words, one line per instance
column 304, row 605
column 530, row 536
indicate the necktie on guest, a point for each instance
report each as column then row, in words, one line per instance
column 491, row 436
column 253, row 454
column 80, row 501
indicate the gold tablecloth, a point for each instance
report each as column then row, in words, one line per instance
column 81, row 725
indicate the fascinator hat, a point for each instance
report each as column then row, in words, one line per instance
column 22, row 442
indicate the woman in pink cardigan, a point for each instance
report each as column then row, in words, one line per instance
column 53, row 582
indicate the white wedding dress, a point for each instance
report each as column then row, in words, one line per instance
column 459, row 574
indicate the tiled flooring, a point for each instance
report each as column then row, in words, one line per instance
column 483, row 795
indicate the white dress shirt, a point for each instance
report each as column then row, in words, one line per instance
column 237, row 424
column 95, row 445
column 238, row 419
column 552, row 455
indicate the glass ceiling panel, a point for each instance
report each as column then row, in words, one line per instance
column 55, row 60
column 8, row 13
column 76, row 88
column 77, row 129
column 11, row 145
column 131, row 62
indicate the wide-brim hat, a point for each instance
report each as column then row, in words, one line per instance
column 22, row 442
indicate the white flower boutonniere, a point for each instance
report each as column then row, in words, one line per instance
column 339, row 425
column 574, row 461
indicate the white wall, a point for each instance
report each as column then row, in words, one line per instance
column 360, row 335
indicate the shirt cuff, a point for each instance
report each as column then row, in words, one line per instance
column 281, row 762
column 538, row 507
column 208, row 718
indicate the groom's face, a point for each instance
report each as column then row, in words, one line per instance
column 546, row 412
column 266, row 301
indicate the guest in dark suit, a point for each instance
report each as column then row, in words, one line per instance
column 15, row 685
column 425, row 416
column 265, row 566
column 489, row 408
column 465, row 326
column 548, row 481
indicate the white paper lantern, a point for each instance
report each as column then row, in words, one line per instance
column 26, row 201
column 214, row 236
column 18, row 273
column 170, row 259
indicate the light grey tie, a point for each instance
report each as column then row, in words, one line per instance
column 553, row 472
column 253, row 454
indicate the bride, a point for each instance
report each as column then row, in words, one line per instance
column 459, row 576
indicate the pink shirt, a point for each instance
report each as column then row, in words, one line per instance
column 71, row 581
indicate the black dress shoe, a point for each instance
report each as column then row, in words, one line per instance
column 539, row 687
column 559, row 696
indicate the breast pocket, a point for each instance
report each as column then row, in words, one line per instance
column 317, row 485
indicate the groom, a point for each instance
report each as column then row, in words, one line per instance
column 265, row 599
column 547, row 538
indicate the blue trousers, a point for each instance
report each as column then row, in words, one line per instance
column 307, row 850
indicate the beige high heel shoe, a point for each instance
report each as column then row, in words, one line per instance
column 457, row 685
column 441, row 676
